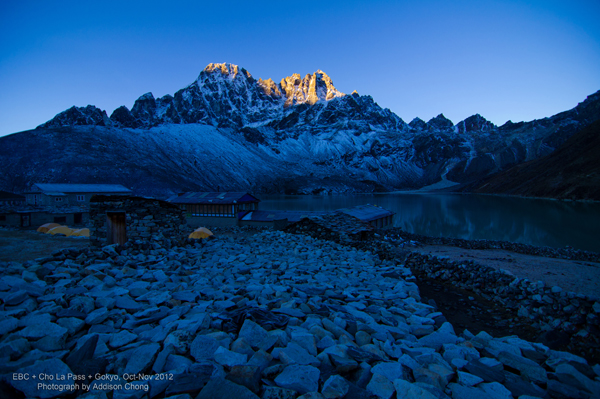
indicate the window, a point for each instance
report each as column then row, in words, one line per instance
column 80, row 197
column 58, row 199
column 2, row 218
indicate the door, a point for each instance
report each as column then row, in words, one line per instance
column 25, row 219
column 78, row 218
column 116, row 231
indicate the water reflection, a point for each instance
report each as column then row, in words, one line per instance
column 529, row 221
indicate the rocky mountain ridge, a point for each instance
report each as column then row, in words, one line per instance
column 299, row 136
column 570, row 172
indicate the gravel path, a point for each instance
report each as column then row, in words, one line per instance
column 23, row 245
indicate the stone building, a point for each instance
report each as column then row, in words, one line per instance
column 8, row 199
column 117, row 219
column 50, row 194
column 215, row 209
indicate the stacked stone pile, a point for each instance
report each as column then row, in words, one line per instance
column 269, row 316
column 337, row 227
column 546, row 308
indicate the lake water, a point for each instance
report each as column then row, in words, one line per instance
column 469, row 216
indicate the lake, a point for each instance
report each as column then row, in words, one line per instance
column 529, row 221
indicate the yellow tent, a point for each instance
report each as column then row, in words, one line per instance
column 61, row 230
column 202, row 232
column 48, row 226
column 81, row 233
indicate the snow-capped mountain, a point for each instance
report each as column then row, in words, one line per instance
column 229, row 131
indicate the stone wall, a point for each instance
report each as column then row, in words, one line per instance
column 547, row 308
column 337, row 227
column 10, row 219
column 145, row 218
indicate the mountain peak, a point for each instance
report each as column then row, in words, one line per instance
column 223, row 70
column 418, row 123
column 90, row 115
column 311, row 89
column 441, row 122
column 475, row 123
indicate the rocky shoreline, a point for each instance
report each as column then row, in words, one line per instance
column 268, row 315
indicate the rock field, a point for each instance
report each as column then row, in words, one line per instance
column 272, row 316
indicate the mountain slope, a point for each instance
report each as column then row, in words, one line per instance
column 228, row 130
column 162, row 161
column 570, row 172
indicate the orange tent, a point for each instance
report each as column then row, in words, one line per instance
column 81, row 233
column 46, row 227
column 61, row 230
column 202, row 232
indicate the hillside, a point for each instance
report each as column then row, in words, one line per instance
column 570, row 172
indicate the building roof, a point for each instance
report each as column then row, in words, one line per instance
column 269, row 216
column 27, row 208
column 8, row 196
column 366, row 213
column 79, row 188
column 338, row 222
column 213, row 198
column 130, row 198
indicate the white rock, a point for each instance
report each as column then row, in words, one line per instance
column 569, row 375
column 390, row 370
column 97, row 316
column 529, row 369
column 405, row 389
column 253, row 333
column 381, row 386
column 495, row 390
column 7, row 325
column 335, row 387
column 41, row 330
column 225, row 357
column 295, row 354
column 46, row 367
column 121, row 338
column 142, row 358
column 300, row 378
column 468, row 379
column 203, row 347
column 72, row 324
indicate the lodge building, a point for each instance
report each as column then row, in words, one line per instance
column 214, row 208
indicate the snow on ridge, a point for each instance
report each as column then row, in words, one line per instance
column 307, row 122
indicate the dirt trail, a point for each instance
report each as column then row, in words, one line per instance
column 24, row 245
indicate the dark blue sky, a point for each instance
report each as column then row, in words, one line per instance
column 517, row 60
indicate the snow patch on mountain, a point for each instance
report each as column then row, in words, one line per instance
column 302, row 135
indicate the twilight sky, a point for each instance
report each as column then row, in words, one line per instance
column 517, row 60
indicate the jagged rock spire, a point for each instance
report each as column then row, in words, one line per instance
column 313, row 88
